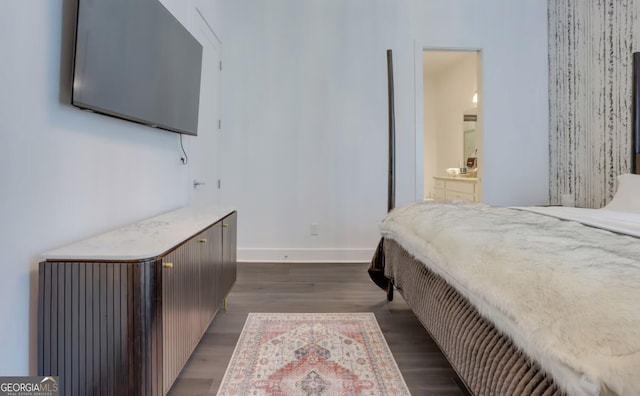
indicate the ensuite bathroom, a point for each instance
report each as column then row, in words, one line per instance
column 452, row 125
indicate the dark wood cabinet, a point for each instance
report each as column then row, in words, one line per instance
column 229, row 232
column 127, row 327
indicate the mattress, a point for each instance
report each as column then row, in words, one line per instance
column 564, row 293
column 485, row 359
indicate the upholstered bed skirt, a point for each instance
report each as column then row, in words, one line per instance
column 486, row 361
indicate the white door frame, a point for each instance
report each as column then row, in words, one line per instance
column 419, row 113
column 201, row 170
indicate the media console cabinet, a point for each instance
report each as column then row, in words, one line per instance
column 120, row 313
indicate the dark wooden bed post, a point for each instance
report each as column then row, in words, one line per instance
column 635, row 145
column 376, row 270
column 391, row 197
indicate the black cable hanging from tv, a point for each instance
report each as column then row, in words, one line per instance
column 391, row 197
column 185, row 159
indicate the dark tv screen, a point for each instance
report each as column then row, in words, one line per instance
column 135, row 61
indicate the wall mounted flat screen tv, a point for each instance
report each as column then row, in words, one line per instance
column 134, row 60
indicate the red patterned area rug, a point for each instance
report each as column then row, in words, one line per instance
column 318, row 354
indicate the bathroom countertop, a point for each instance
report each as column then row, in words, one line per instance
column 457, row 178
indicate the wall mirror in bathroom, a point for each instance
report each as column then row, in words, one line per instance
column 470, row 143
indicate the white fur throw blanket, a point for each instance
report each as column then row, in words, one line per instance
column 566, row 294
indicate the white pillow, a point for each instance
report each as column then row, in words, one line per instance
column 627, row 198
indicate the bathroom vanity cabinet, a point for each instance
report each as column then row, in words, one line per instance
column 455, row 188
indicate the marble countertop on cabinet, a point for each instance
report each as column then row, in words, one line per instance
column 142, row 240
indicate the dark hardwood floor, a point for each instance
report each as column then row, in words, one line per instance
column 294, row 287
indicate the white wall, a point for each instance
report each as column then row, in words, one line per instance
column 512, row 37
column 305, row 113
column 66, row 174
column 456, row 90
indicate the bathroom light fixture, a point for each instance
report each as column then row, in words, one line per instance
column 475, row 97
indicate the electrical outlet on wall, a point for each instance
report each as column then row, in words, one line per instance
column 314, row 229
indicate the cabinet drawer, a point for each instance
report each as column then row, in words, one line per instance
column 438, row 184
column 458, row 196
column 463, row 187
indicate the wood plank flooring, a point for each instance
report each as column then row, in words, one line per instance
column 295, row 287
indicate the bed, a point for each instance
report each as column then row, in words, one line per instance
column 523, row 301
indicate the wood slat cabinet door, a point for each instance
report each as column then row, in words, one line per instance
column 181, row 319
column 210, row 269
column 191, row 284
column 229, row 259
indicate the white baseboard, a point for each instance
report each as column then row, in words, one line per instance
column 276, row 255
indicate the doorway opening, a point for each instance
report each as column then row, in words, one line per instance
column 452, row 135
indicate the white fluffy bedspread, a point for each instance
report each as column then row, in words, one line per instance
column 567, row 294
